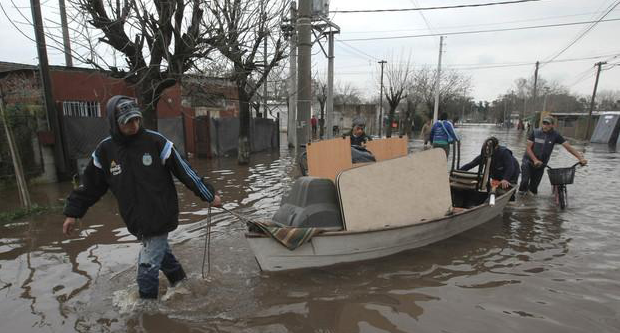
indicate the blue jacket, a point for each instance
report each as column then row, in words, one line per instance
column 439, row 135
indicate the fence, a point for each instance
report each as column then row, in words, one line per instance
column 24, row 131
column 225, row 135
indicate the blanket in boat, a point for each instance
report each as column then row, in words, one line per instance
column 290, row 237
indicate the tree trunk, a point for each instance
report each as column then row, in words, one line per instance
column 243, row 150
column 388, row 131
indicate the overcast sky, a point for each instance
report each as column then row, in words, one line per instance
column 356, row 60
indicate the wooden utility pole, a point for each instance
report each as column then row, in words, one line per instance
column 598, row 73
column 52, row 117
column 535, row 90
column 382, row 62
column 304, row 83
column 437, row 83
column 22, row 186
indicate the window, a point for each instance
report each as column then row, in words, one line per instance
column 81, row 109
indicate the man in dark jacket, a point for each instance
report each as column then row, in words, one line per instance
column 137, row 166
column 504, row 167
column 538, row 150
column 358, row 136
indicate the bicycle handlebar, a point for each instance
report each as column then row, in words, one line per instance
column 573, row 166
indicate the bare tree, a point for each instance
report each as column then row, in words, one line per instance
column 451, row 86
column 608, row 100
column 397, row 82
column 346, row 93
column 239, row 29
column 160, row 41
column 320, row 92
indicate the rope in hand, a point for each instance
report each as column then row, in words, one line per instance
column 207, row 248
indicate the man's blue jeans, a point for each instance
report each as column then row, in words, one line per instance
column 155, row 255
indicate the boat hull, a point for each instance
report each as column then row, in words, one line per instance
column 336, row 247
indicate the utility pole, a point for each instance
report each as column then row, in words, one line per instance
column 436, row 108
column 598, row 73
column 65, row 33
column 535, row 91
column 330, row 86
column 291, row 130
column 52, row 117
column 382, row 62
column 266, row 82
column 304, row 83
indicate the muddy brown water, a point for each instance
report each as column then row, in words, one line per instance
column 533, row 269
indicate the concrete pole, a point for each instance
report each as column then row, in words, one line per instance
column 65, row 33
column 52, row 116
column 266, row 82
column 304, row 82
column 436, row 107
column 598, row 73
column 330, row 87
column 382, row 62
column 291, row 130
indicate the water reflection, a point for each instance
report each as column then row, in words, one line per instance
column 534, row 267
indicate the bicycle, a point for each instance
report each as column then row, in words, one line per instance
column 559, row 178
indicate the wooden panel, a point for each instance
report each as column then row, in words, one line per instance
column 395, row 192
column 388, row 148
column 327, row 158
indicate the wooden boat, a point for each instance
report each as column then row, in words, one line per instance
column 412, row 202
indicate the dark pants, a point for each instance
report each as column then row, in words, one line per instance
column 530, row 176
column 155, row 255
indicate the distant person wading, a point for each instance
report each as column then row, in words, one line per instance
column 443, row 134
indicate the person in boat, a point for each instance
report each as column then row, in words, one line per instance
column 137, row 166
column 443, row 134
column 504, row 167
column 539, row 147
column 358, row 136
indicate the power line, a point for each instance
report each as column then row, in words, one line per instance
column 476, row 31
column 358, row 50
column 582, row 34
column 479, row 24
column 431, row 8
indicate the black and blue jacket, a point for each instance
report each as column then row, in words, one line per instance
column 503, row 165
column 543, row 143
column 138, row 170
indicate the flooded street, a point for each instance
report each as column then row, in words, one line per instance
column 533, row 269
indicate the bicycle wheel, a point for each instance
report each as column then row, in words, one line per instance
column 562, row 196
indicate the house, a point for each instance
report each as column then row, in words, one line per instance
column 80, row 96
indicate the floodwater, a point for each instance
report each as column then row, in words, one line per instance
column 533, row 269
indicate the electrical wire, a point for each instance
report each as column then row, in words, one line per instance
column 476, row 31
column 431, row 8
column 582, row 34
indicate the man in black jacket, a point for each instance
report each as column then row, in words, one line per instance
column 137, row 166
column 504, row 167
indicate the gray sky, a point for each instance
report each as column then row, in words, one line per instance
column 356, row 61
